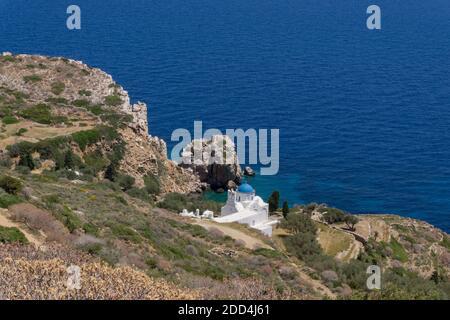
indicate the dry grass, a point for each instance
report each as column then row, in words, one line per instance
column 333, row 241
column 22, row 278
column 36, row 132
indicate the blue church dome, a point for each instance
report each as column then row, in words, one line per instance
column 246, row 188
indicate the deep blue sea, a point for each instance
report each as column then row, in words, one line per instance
column 364, row 116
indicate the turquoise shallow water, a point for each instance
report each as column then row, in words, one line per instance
column 363, row 116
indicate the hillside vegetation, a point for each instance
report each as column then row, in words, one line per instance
column 82, row 183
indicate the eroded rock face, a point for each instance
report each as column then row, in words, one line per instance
column 82, row 85
column 214, row 160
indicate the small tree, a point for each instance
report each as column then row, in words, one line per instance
column 152, row 184
column 274, row 201
column 111, row 172
column 285, row 209
column 126, row 182
column 26, row 160
column 68, row 160
column 10, row 185
column 351, row 221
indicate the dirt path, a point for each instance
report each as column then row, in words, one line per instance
column 369, row 227
column 351, row 253
column 250, row 242
column 6, row 222
column 316, row 285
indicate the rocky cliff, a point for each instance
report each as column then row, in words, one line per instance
column 214, row 160
column 47, row 97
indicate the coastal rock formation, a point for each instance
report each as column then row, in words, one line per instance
column 248, row 171
column 214, row 160
column 74, row 97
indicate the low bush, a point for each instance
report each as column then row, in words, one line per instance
column 85, row 138
column 58, row 87
column 113, row 100
column 152, row 184
column 446, row 242
column 10, row 185
column 81, row 103
column 139, row 194
column 7, row 199
column 9, row 120
column 303, row 242
column 88, row 137
column 21, row 131
column 32, row 78
column 86, row 93
column 125, row 181
column 42, row 113
column 398, row 252
column 12, row 235
column 177, row 202
column 125, row 233
column 333, row 215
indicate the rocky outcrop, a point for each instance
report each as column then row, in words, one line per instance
column 214, row 160
column 81, row 85
column 249, row 172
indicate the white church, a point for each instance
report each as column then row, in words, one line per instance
column 244, row 206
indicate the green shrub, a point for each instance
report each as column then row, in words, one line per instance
column 139, row 194
column 12, row 235
column 177, row 202
column 398, row 252
column 115, row 119
column 95, row 109
column 91, row 229
column 6, row 162
column 10, row 185
column 32, row 78
column 174, row 201
column 68, row 218
column 81, row 103
column 21, row 131
column 126, row 182
column 85, row 138
column 26, row 160
column 58, row 87
column 96, row 161
column 42, row 113
column 285, row 209
column 57, row 100
column 113, row 100
column 7, row 199
column 22, row 170
column 446, row 242
column 121, row 200
column 152, row 184
column 86, row 93
column 9, row 120
column 333, row 215
column 303, row 241
column 88, row 137
column 268, row 253
column 7, row 58
column 125, row 233
column 92, row 248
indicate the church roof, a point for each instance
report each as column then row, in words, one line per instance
column 246, row 188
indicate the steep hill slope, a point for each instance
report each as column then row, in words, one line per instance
column 44, row 98
column 82, row 182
